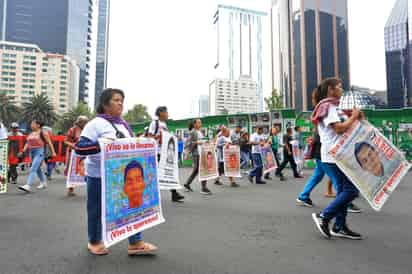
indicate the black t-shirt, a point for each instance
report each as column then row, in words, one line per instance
column 286, row 141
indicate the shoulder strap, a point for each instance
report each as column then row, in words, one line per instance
column 119, row 134
column 156, row 127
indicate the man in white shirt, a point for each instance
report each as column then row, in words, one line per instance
column 257, row 140
column 155, row 131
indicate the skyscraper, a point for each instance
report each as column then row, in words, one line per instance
column 313, row 45
column 102, row 48
column 239, row 46
column 398, row 47
column 56, row 26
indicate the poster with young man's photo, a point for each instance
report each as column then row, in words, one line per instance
column 76, row 173
column 168, row 164
column 371, row 162
column 130, row 191
column 231, row 155
column 3, row 165
column 268, row 159
column 208, row 162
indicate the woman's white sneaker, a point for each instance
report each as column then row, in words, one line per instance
column 42, row 186
column 25, row 188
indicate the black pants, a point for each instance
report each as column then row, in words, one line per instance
column 287, row 159
column 12, row 173
column 173, row 191
column 195, row 171
column 275, row 153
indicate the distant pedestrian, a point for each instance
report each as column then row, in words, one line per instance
column 14, row 145
column 36, row 142
column 288, row 156
column 245, row 149
column 222, row 142
column 257, row 140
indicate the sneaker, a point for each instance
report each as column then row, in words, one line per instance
column 261, row 183
column 299, row 177
column 322, row 225
column 307, row 203
column 250, row 178
column 205, row 191
column 188, row 188
column 26, row 188
column 267, row 176
column 42, row 186
column 234, row 184
column 345, row 232
column 352, row 208
column 218, row 183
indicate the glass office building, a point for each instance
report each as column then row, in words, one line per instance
column 316, row 48
column 102, row 48
column 398, row 46
column 56, row 26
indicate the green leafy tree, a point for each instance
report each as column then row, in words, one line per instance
column 39, row 107
column 9, row 112
column 275, row 101
column 67, row 120
column 137, row 114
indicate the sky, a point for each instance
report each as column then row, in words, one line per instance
column 162, row 52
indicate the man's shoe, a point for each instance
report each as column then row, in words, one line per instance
column 205, row 191
column 25, row 188
column 345, row 232
column 188, row 188
column 299, row 177
column 261, row 183
column 352, row 208
column 218, row 183
column 250, row 178
column 177, row 198
column 307, row 203
column 322, row 225
column 267, row 176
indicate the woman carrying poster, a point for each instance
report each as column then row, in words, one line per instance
column 108, row 124
column 331, row 123
column 192, row 145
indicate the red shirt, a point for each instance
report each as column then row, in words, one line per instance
column 34, row 141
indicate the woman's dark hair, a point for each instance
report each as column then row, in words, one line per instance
column 37, row 121
column 323, row 88
column 359, row 147
column 132, row 165
column 192, row 124
column 160, row 110
column 105, row 98
column 297, row 128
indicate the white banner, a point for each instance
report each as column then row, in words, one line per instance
column 231, row 157
column 371, row 162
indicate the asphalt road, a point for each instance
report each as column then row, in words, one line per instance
column 251, row 229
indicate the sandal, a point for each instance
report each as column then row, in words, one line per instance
column 144, row 249
column 330, row 195
column 98, row 249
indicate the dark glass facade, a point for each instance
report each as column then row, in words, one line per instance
column 57, row 26
column 102, row 48
column 398, row 46
column 319, row 45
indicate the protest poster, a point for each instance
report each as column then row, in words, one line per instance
column 76, row 174
column 3, row 165
column 371, row 162
column 297, row 155
column 231, row 156
column 130, row 191
column 168, row 164
column 268, row 159
column 207, row 162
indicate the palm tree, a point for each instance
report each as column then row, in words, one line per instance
column 9, row 112
column 67, row 120
column 39, row 108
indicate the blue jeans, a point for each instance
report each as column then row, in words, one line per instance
column 314, row 180
column 50, row 167
column 94, row 212
column 37, row 157
column 244, row 159
column 346, row 192
column 258, row 169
